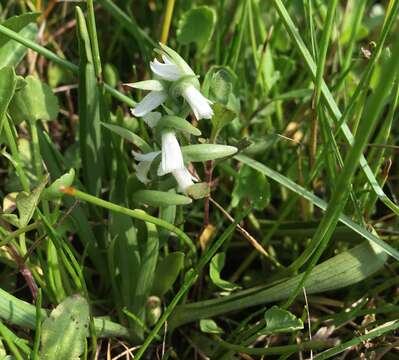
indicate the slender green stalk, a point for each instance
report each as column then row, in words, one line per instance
column 20, row 231
column 339, row 197
column 38, row 328
column 328, row 26
column 274, row 350
column 5, row 333
column 136, row 214
column 190, row 278
column 325, row 92
column 388, row 327
column 93, row 39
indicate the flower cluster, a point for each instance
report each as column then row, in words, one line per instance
column 173, row 79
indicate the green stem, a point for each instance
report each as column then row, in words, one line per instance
column 36, row 344
column 167, row 21
column 190, row 278
column 20, row 231
column 135, row 213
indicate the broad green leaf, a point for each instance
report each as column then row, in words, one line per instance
column 33, row 102
column 280, row 321
column 222, row 116
column 64, row 332
column 167, row 271
column 215, row 268
column 8, row 82
column 210, row 327
column 129, row 136
column 177, row 123
column 53, row 191
column 160, row 198
column 11, row 51
column 345, row 269
column 27, row 203
column 204, row 152
column 253, row 186
column 196, row 26
column 23, row 314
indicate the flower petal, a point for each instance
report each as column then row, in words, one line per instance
column 149, row 102
column 183, row 178
column 142, row 170
column 167, row 71
column 151, row 85
column 198, row 102
column 172, row 157
column 145, row 157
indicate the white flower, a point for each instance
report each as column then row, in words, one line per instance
column 173, row 69
column 183, row 178
column 149, row 102
column 172, row 157
column 198, row 102
column 144, row 165
column 166, row 70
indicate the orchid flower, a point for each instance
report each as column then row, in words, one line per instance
column 184, row 83
column 184, row 179
column 172, row 157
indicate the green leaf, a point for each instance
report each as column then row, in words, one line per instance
column 53, row 191
column 252, row 185
column 215, row 268
column 210, row 327
column 160, row 198
column 8, row 82
column 167, row 271
column 11, row 51
column 27, row 203
column 64, row 332
column 198, row 191
column 129, row 136
column 204, row 152
column 345, row 269
column 177, row 123
column 196, row 26
column 280, row 321
column 33, row 102
column 222, row 116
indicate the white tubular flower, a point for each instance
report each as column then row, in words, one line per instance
column 149, row 102
column 144, row 165
column 172, row 157
column 183, row 178
column 198, row 102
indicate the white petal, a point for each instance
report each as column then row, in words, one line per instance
column 151, row 85
column 152, row 118
column 149, row 102
column 172, row 157
column 198, row 103
column 183, row 178
column 167, row 60
column 142, row 170
column 168, row 71
column 145, row 157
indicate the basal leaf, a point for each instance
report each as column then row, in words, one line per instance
column 64, row 332
column 167, row 271
column 279, row 320
column 209, row 326
column 196, row 26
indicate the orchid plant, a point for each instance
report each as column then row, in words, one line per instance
column 173, row 93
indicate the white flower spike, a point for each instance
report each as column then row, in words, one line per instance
column 144, row 165
column 172, row 157
column 184, row 179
